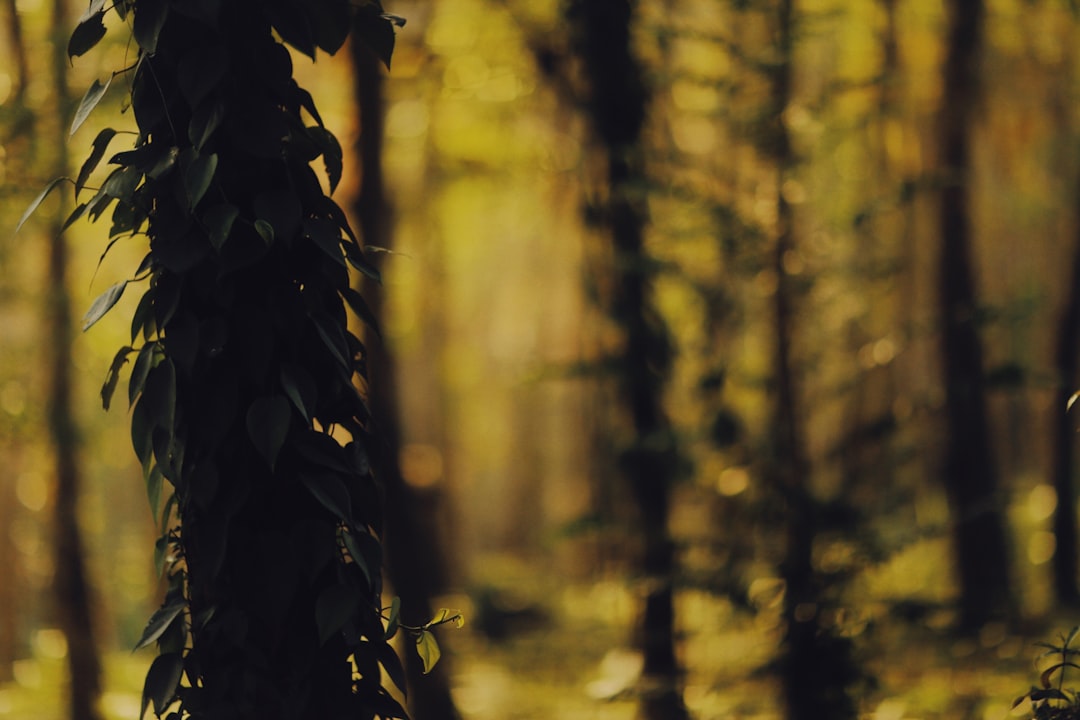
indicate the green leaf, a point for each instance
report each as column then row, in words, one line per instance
column 219, row 220
column 162, row 618
column 103, row 304
column 267, row 426
column 162, row 679
column 364, row 561
column 376, row 30
column 113, row 376
column 204, row 121
column 299, row 388
column 150, row 17
column 281, row 209
column 87, row 33
column 265, row 230
column 331, row 494
column 326, row 234
column 154, row 480
column 97, row 151
column 38, row 200
column 90, row 100
column 393, row 620
column 198, row 176
column 335, row 606
column 331, row 151
column 359, row 306
column 148, row 358
column 159, row 396
column 428, row 650
column 446, row 615
column 333, row 337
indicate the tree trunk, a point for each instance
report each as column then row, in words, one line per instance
column 1067, row 358
column 617, row 103
column 71, row 586
column 413, row 561
column 971, row 478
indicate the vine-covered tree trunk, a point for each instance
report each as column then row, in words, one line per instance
column 617, row 101
column 71, row 584
column 1067, row 358
column 816, row 666
column 412, row 550
column 244, row 380
column 971, row 476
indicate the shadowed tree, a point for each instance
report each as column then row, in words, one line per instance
column 616, row 101
column 971, row 476
column 71, row 584
column 412, row 550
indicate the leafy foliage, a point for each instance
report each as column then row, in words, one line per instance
column 1051, row 701
column 245, row 412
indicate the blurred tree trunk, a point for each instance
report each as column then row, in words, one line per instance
column 971, row 478
column 71, row 586
column 1067, row 358
column 617, row 101
column 815, row 668
column 410, row 542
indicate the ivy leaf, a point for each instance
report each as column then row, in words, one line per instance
column 267, row 426
column 428, row 650
column 162, row 618
column 393, row 619
column 103, row 304
column 219, row 220
column 150, row 17
column 100, row 144
column 93, row 96
column 87, row 33
column 113, row 376
column 331, row 494
column 197, row 177
column 335, row 606
column 204, row 122
column 36, row 202
column 162, row 679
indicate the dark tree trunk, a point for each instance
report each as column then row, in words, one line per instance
column 617, row 102
column 971, row 477
column 1066, row 358
column 71, row 586
column 410, row 544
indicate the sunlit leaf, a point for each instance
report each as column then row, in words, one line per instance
column 428, row 650
column 38, row 200
column 103, row 304
column 93, row 96
column 267, row 426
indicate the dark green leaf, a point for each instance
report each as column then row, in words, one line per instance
column 376, row 30
column 77, row 213
column 200, row 71
column 299, row 388
column 355, row 543
column 328, row 489
column 267, row 426
column 357, row 260
column 159, row 396
column 150, row 17
column 87, row 33
column 143, row 317
column 360, row 307
column 141, row 431
column 164, row 164
column 154, row 479
column 219, row 220
column 162, row 618
column 113, row 376
column 392, row 664
column 97, row 151
column 90, row 100
column 162, row 679
column 103, row 304
column 204, row 121
column 198, row 176
column 326, row 234
column 393, row 619
column 281, row 209
column 333, row 337
column 265, row 230
column 38, row 200
column 335, row 606
column 331, row 151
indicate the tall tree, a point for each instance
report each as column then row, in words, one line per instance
column 412, row 557
column 971, row 476
column 71, row 584
column 617, row 100
column 242, row 387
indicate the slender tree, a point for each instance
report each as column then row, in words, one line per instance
column 617, row 101
column 71, row 584
column 412, row 557
column 971, row 475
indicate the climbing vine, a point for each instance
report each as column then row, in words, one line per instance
column 245, row 410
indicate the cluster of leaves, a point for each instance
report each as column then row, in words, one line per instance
column 1051, row 701
column 245, row 410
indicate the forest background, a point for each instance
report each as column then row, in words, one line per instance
column 802, row 196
